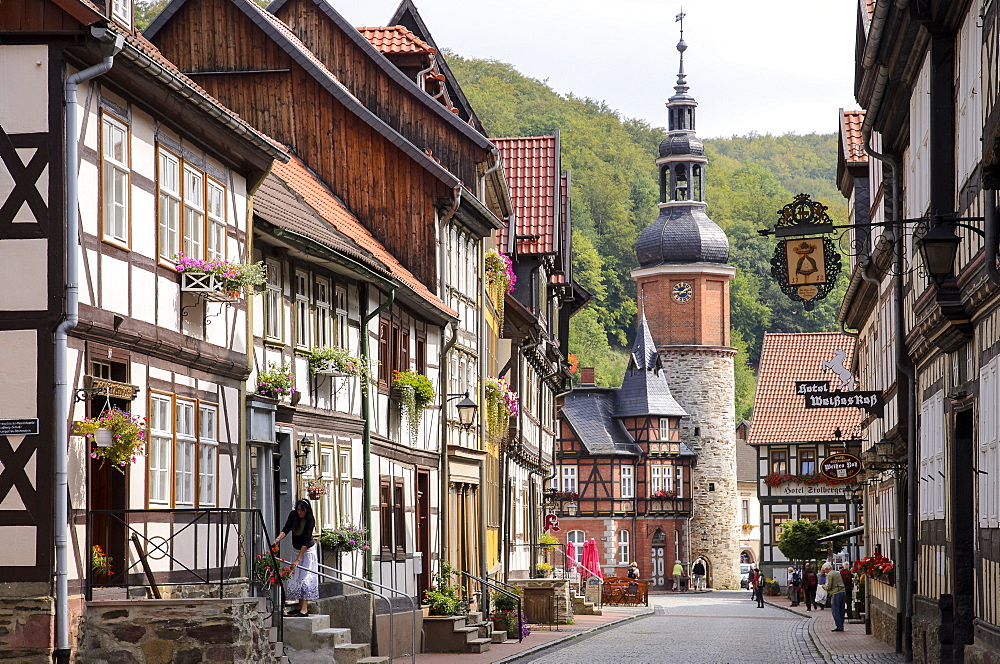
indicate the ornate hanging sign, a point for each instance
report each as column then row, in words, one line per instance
column 818, row 394
column 805, row 262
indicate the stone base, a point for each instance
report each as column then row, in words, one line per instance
column 558, row 589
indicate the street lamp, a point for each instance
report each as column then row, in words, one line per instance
column 302, row 465
column 938, row 248
column 466, row 409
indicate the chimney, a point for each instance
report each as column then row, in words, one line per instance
column 586, row 376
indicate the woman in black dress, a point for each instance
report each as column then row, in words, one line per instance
column 304, row 582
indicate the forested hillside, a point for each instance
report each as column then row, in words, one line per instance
column 615, row 195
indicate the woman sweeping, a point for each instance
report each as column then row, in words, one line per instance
column 304, row 583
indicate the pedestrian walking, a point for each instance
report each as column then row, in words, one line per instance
column 838, row 596
column 699, row 574
column 759, row 582
column 810, row 581
column 678, row 573
column 304, row 582
column 793, row 585
column 633, row 571
column 848, row 577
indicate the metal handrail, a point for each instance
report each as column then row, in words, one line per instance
column 251, row 530
column 494, row 585
column 413, row 603
column 370, row 592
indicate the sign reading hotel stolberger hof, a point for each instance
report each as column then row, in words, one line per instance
column 841, row 466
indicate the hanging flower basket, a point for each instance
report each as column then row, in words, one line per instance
column 878, row 567
column 500, row 278
column 276, row 381
column 128, row 436
column 218, row 281
column 270, row 570
column 345, row 538
column 316, row 489
column 414, row 391
column 336, row 362
column 501, row 405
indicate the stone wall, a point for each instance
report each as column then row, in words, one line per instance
column 882, row 618
column 175, row 631
column 563, row 601
column 26, row 627
column 701, row 380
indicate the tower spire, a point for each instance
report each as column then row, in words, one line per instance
column 682, row 86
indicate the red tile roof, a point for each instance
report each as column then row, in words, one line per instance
column 315, row 194
column 780, row 415
column 531, row 166
column 854, row 145
column 395, row 39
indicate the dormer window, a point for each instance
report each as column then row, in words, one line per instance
column 670, row 429
column 121, row 11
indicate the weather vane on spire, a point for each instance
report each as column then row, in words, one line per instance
column 681, row 86
column 680, row 18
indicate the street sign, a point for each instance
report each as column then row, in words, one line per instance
column 840, row 466
column 22, row 427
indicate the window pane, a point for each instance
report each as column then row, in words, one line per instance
column 169, row 222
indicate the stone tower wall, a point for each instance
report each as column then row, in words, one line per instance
column 701, row 380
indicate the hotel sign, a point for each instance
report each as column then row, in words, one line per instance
column 817, row 393
column 111, row 388
column 805, row 262
column 840, row 467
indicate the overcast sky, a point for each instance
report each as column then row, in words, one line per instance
column 752, row 66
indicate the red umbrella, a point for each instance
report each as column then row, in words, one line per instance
column 591, row 561
column 571, row 561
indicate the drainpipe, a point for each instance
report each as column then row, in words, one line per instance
column 482, row 181
column 71, row 316
column 366, row 414
column 423, row 72
column 443, row 510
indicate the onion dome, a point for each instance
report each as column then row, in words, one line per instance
column 682, row 234
column 681, row 144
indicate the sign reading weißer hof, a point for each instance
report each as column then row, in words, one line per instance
column 840, row 466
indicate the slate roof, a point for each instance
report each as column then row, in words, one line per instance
column 682, row 234
column 644, row 389
column 531, row 165
column 334, row 226
column 395, row 39
column 780, row 415
column 746, row 462
column 676, row 144
column 590, row 411
column 850, row 133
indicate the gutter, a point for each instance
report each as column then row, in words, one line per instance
column 71, row 316
column 366, row 414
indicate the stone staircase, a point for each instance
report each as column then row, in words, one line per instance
column 311, row 640
column 459, row 633
column 582, row 607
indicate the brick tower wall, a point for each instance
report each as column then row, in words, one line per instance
column 701, row 380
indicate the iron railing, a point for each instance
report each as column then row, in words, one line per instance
column 498, row 586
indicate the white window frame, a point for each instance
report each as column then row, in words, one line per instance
column 665, row 428
column 329, row 517
column 655, row 479
column 273, row 314
column 340, row 304
column 303, row 310
column 169, row 207
column 628, row 481
column 969, row 122
column 918, row 167
column 215, row 210
column 345, row 497
column 115, row 202
column 208, row 455
column 577, row 537
column 569, row 479
column 161, row 443
column 624, row 548
column 324, row 307
column 932, row 445
column 185, row 452
column 988, row 461
column 121, row 10
column 193, row 226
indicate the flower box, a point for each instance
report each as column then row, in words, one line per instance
column 207, row 286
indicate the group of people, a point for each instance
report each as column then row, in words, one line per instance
column 819, row 590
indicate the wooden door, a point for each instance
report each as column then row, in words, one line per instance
column 424, row 530
column 658, row 572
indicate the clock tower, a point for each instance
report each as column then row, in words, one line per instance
column 683, row 287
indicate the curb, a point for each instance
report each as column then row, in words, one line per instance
column 570, row 637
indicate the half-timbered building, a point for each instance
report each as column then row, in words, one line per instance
column 926, row 75
column 792, row 440
column 114, row 163
column 623, row 473
column 536, row 333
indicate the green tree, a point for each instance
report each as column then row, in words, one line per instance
column 799, row 540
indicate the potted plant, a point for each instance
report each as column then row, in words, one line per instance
column 544, row 570
column 122, row 434
column 501, row 405
column 345, row 538
column 548, row 540
column 666, row 494
column 316, row 489
column 414, row 391
column 269, row 570
column 276, row 381
column 219, row 279
column 100, row 562
column 443, row 598
column 333, row 361
column 500, row 278
column 877, row 567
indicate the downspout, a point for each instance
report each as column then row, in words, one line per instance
column 366, row 414
column 445, row 479
column 481, row 399
column 482, row 181
column 71, row 316
column 423, row 72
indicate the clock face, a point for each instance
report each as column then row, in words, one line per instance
column 682, row 292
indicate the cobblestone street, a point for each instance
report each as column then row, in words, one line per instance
column 720, row 628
